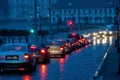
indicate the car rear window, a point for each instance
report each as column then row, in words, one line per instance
column 13, row 48
column 54, row 43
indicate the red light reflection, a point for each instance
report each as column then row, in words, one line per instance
column 78, row 50
column 86, row 46
column 27, row 77
column 43, row 72
column 67, row 56
column 61, row 61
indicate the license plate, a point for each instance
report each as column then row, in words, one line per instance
column 12, row 57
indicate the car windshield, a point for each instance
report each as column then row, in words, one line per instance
column 14, row 48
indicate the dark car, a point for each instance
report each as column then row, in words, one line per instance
column 41, row 52
column 73, row 35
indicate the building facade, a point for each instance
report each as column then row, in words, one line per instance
column 82, row 11
column 24, row 9
column 89, row 15
column 4, row 9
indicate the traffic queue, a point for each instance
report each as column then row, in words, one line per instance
column 25, row 56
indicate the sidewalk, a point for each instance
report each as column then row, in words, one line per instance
column 110, row 65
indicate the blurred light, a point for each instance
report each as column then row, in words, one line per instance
column 94, row 38
column 105, row 32
column 32, row 30
column 62, row 61
column 110, row 32
column 98, row 41
column 70, row 23
column 43, row 72
column 104, row 41
column 100, row 32
column 27, row 77
column 110, row 39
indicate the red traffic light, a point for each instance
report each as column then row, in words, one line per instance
column 70, row 23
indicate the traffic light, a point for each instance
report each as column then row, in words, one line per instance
column 32, row 31
column 70, row 23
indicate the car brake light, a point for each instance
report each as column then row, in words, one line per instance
column 66, row 44
column 43, row 51
column 32, row 47
column 61, row 48
column 27, row 56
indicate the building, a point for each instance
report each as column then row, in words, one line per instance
column 4, row 9
column 60, row 11
column 22, row 9
column 84, row 11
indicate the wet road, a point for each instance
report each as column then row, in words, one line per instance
column 79, row 65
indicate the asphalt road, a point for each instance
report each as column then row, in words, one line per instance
column 79, row 65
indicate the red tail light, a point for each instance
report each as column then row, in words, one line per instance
column 27, row 56
column 43, row 51
column 61, row 48
column 33, row 47
column 66, row 44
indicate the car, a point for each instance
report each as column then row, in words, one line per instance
column 56, row 48
column 42, row 54
column 68, row 45
column 73, row 35
column 16, row 56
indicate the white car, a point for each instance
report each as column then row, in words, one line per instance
column 56, row 48
column 16, row 56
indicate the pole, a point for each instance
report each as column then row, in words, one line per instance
column 117, row 26
column 35, row 20
column 117, row 14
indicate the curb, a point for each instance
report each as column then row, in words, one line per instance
column 96, row 75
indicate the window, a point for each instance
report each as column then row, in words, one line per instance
column 14, row 48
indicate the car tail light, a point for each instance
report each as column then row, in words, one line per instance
column 33, row 47
column 61, row 48
column 79, row 40
column 27, row 56
column 83, row 39
column 43, row 51
column 66, row 44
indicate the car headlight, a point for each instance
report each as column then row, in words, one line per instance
column 103, row 35
column 110, row 32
